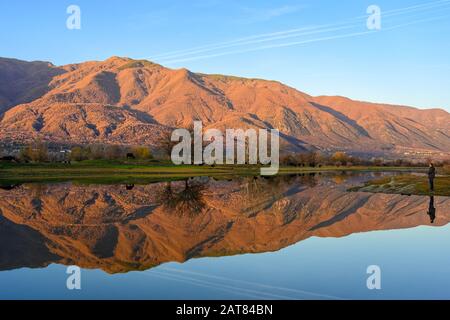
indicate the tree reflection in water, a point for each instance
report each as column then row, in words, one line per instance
column 187, row 201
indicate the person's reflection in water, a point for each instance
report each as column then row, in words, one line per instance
column 432, row 210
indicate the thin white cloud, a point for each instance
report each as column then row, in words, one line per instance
column 281, row 11
column 253, row 15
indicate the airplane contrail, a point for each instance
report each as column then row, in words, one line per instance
column 296, row 32
column 294, row 43
column 256, row 284
column 264, row 295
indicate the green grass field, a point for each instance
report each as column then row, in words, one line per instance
column 408, row 184
column 101, row 171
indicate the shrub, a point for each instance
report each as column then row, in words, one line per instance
column 446, row 169
column 78, row 154
column 36, row 152
column 142, row 153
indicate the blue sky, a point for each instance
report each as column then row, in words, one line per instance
column 317, row 46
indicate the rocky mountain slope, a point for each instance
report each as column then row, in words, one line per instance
column 125, row 101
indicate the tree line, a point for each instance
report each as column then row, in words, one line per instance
column 316, row 159
column 38, row 151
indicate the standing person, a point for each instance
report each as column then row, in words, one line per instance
column 431, row 175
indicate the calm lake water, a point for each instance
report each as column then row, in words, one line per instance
column 296, row 237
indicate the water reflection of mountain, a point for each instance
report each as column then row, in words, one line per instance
column 117, row 228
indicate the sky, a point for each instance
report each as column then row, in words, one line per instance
column 321, row 47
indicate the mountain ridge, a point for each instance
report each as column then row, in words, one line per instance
column 126, row 101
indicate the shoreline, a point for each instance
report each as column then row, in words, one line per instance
column 138, row 172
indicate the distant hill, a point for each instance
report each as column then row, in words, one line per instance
column 126, row 101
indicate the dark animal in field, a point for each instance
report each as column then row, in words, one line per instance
column 9, row 159
column 130, row 156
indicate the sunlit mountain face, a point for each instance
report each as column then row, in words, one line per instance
column 126, row 101
column 121, row 228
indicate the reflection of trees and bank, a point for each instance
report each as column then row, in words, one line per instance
column 118, row 229
column 9, row 186
column 185, row 200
